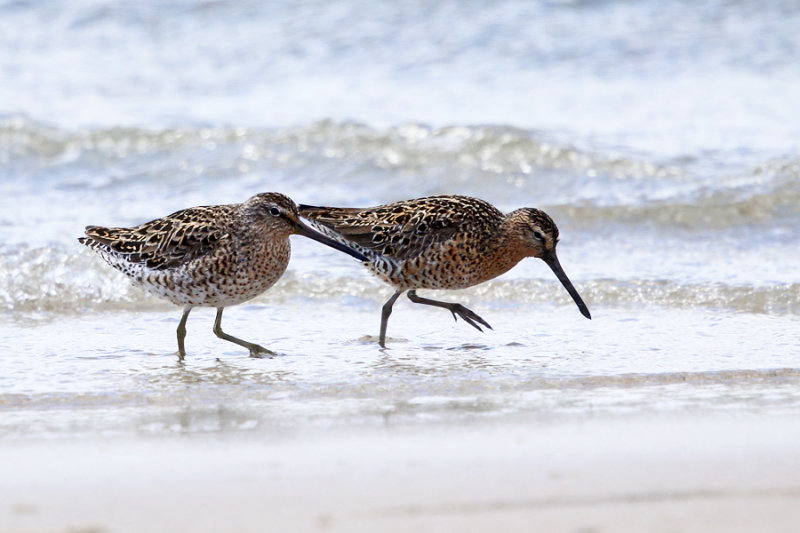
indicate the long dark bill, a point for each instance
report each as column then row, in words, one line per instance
column 305, row 231
column 555, row 266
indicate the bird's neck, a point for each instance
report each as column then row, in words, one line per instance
column 507, row 250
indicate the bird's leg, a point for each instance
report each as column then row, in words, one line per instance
column 182, row 332
column 458, row 310
column 255, row 349
column 385, row 312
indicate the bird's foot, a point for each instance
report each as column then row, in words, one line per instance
column 468, row 316
column 259, row 352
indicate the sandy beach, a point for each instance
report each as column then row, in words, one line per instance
column 666, row 473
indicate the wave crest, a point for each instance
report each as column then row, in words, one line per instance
column 508, row 166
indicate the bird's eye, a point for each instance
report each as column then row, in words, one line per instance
column 274, row 211
column 538, row 236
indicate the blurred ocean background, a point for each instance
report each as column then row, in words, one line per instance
column 662, row 137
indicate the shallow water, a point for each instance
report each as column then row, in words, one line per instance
column 666, row 153
column 114, row 373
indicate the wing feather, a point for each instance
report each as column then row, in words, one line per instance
column 405, row 230
column 165, row 242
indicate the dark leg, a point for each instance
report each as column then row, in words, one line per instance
column 458, row 310
column 386, row 311
column 255, row 349
column 182, row 331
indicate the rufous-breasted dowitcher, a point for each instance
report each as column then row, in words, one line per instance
column 442, row 242
column 209, row 256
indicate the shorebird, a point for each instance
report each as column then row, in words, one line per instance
column 442, row 242
column 209, row 256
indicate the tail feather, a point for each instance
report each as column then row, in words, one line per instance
column 342, row 220
column 103, row 249
column 327, row 213
column 103, row 234
column 94, row 244
column 347, row 226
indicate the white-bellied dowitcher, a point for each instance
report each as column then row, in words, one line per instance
column 209, row 256
column 442, row 242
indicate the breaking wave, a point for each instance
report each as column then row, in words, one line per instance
column 352, row 161
column 45, row 281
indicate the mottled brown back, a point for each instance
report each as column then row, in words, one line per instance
column 165, row 242
column 404, row 230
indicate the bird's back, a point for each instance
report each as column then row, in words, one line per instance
column 433, row 242
column 163, row 243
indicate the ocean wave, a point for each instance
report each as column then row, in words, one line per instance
column 51, row 281
column 38, row 282
column 777, row 299
column 356, row 164
column 494, row 149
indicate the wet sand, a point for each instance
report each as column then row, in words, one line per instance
column 717, row 471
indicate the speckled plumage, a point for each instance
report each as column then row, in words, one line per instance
column 211, row 256
column 442, row 242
